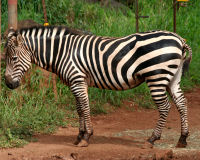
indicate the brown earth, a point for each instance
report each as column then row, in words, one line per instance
column 120, row 135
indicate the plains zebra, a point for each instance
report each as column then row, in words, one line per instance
column 83, row 61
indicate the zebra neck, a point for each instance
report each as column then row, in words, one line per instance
column 49, row 46
column 52, row 52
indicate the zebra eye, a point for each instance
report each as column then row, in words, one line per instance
column 14, row 58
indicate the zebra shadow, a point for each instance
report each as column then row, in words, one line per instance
column 95, row 139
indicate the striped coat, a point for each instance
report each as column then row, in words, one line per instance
column 83, row 61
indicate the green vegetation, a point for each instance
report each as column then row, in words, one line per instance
column 33, row 109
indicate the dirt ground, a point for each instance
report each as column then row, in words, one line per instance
column 119, row 136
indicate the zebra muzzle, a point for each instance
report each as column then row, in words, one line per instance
column 11, row 84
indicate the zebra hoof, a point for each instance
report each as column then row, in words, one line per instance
column 79, row 137
column 152, row 139
column 77, row 142
column 147, row 145
column 181, row 145
column 83, row 143
column 182, row 142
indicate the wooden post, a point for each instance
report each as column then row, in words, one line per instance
column 0, row 45
column 174, row 21
column 176, row 6
column 45, row 13
column 12, row 14
column 136, row 15
column 53, row 75
column 12, row 17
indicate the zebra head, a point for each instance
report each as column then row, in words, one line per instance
column 18, row 59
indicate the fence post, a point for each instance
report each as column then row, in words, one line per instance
column 0, row 45
column 12, row 14
column 53, row 75
column 136, row 15
column 174, row 21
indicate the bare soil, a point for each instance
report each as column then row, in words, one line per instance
column 120, row 135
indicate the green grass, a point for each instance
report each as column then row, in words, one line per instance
column 32, row 109
column 26, row 111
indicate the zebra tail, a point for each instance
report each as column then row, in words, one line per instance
column 187, row 60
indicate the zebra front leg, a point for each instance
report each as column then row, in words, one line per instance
column 88, row 127
column 85, row 130
column 160, row 98
column 81, row 123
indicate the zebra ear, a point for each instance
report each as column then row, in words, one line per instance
column 10, row 32
column 11, row 29
column 19, row 40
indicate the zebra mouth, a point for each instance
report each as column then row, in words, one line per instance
column 13, row 85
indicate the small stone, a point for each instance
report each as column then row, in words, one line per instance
column 74, row 156
column 10, row 154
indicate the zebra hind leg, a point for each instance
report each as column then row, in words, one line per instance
column 158, row 93
column 82, row 102
column 180, row 101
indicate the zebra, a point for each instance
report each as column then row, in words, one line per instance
column 114, row 63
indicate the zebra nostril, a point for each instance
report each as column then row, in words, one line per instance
column 15, row 84
column 9, row 85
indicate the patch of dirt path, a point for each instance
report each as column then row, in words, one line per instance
column 119, row 136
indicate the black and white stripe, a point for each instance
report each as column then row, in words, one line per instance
column 83, row 61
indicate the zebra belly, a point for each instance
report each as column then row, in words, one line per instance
column 132, row 83
column 135, row 81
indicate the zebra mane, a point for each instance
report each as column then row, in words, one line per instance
column 51, row 28
column 68, row 30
